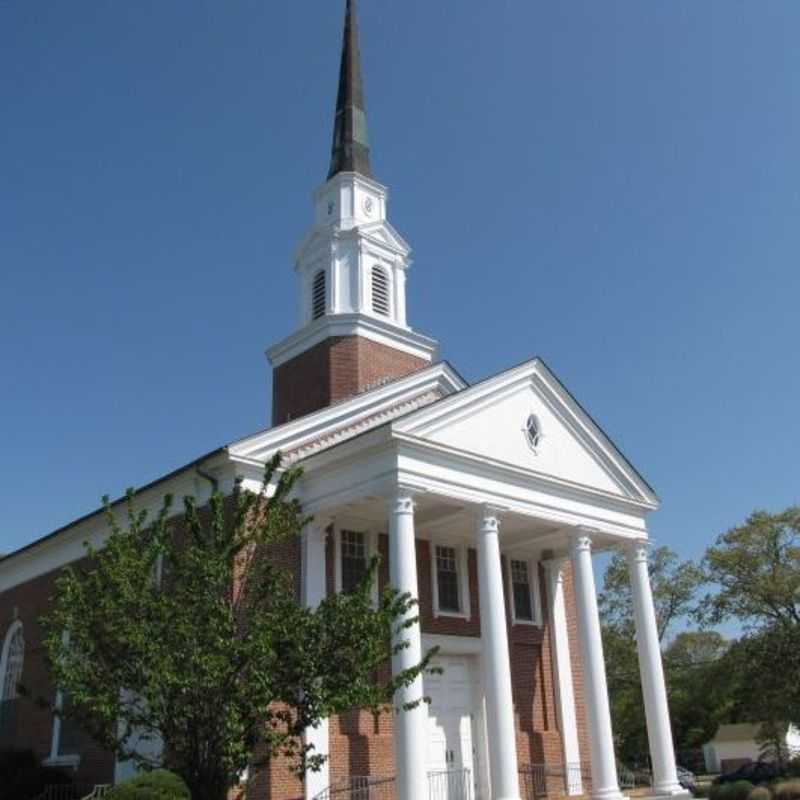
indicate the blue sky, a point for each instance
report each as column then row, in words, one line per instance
column 613, row 186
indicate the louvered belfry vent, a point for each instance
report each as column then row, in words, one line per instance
column 318, row 296
column 380, row 291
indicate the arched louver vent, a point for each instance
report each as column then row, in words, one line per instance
column 318, row 296
column 380, row 291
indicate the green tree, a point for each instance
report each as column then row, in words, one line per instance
column 675, row 584
column 189, row 632
column 755, row 571
column 699, row 691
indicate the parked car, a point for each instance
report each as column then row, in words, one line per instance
column 686, row 778
column 755, row 772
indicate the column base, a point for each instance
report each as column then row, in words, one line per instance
column 671, row 790
column 608, row 794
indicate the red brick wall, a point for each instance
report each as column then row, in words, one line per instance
column 35, row 727
column 334, row 370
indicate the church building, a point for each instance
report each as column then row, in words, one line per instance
column 487, row 502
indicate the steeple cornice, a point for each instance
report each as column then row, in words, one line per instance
column 350, row 152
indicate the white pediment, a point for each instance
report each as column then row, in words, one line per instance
column 489, row 420
column 387, row 235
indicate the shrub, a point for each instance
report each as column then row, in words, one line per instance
column 787, row 790
column 738, row 790
column 760, row 793
column 157, row 785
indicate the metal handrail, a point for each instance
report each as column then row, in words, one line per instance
column 450, row 784
column 359, row 787
column 553, row 779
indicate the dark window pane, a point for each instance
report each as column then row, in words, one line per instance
column 447, row 579
column 520, row 582
column 73, row 739
column 354, row 559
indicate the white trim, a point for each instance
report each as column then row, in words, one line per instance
column 15, row 626
column 450, row 645
column 462, row 567
column 534, row 587
column 57, row 758
column 377, row 329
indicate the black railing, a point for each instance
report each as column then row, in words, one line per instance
column 450, row 784
column 359, row 788
column 74, row 791
column 553, row 780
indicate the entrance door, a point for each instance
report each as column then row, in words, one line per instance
column 450, row 740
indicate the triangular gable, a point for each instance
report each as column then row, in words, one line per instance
column 489, row 420
column 385, row 233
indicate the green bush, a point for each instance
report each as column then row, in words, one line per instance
column 157, row 785
column 787, row 790
column 760, row 793
column 738, row 790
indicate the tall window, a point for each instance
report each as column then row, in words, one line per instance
column 521, row 587
column 353, row 559
column 318, row 295
column 12, row 661
column 447, row 579
column 380, row 291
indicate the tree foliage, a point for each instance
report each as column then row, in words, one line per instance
column 187, row 630
column 754, row 569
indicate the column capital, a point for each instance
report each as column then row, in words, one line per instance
column 638, row 551
column 320, row 522
column 581, row 541
column 488, row 518
column 555, row 566
column 401, row 499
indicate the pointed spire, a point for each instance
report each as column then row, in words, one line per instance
column 350, row 143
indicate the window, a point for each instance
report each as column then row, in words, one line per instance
column 533, row 431
column 380, row 291
column 12, row 661
column 524, row 590
column 450, row 584
column 67, row 740
column 318, row 295
column 447, row 579
column 354, row 559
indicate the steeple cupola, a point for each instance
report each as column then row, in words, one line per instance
column 351, row 274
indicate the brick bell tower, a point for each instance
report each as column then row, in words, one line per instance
column 351, row 273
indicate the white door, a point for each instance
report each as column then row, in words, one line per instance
column 450, row 719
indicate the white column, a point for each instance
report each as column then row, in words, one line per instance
column 605, row 784
column 314, row 586
column 500, row 729
column 565, row 691
column 659, row 731
column 410, row 727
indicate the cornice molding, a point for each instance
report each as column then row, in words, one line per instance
column 337, row 325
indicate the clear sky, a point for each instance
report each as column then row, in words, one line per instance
column 613, row 186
